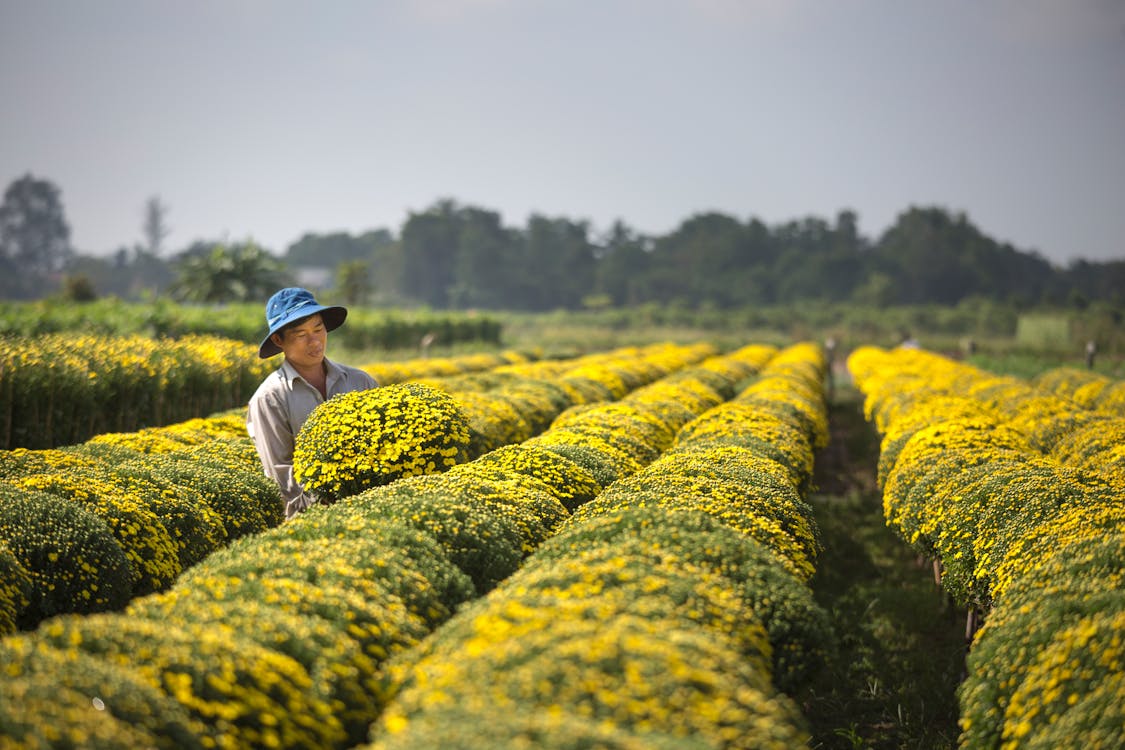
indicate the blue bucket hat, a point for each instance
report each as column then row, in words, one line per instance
column 290, row 305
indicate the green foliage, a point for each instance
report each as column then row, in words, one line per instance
column 47, row 695
column 71, row 556
column 34, row 236
column 800, row 634
column 484, row 544
column 569, row 482
column 15, row 589
column 247, row 694
column 216, row 273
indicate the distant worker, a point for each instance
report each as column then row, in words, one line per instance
column 907, row 341
column 298, row 328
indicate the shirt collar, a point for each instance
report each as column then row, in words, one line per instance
column 290, row 375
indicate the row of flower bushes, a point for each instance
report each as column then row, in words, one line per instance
column 280, row 638
column 1018, row 492
column 666, row 612
column 1086, row 387
column 62, row 389
column 88, row 527
column 367, row 327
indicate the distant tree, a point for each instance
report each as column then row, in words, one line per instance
column 485, row 273
column 330, row 250
column 34, row 234
column 79, row 289
column 705, row 259
column 429, row 252
column 558, row 262
column 353, row 279
column 217, row 273
column 622, row 265
column 155, row 225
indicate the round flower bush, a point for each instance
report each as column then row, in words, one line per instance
column 380, row 555
column 374, row 620
column 45, row 699
column 143, row 539
column 567, row 480
column 363, row 439
column 249, row 695
column 462, row 727
column 71, row 556
column 800, row 631
column 648, row 650
column 1038, row 618
column 483, row 542
column 523, row 501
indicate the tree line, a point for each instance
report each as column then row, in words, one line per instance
column 456, row 256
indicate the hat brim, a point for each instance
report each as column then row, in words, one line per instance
column 332, row 315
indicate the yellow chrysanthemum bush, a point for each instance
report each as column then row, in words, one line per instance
column 61, row 390
column 144, row 540
column 769, row 510
column 1045, row 669
column 800, row 631
column 64, row 697
column 1089, row 389
column 245, row 694
column 70, row 555
column 1021, row 503
column 363, row 439
column 646, row 647
column 485, row 538
column 568, row 481
column 386, row 373
column 342, row 673
column 935, row 453
column 15, row 589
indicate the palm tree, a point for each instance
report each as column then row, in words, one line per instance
column 218, row 273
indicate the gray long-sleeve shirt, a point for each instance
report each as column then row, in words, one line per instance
column 276, row 412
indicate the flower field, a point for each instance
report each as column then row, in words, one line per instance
column 611, row 551
column 577, row 547
column 1015, row 488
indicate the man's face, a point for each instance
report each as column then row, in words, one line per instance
column 304, row 343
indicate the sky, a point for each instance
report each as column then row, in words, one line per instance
column 270, row 119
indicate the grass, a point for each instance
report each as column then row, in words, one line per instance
column 902, row 645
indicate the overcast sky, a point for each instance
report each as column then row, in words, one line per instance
column 267, row 119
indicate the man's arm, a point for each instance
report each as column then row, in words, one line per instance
column 268, row 425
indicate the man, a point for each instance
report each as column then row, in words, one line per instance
column 298, row 329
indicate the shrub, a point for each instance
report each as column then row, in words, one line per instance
column 141, row 536
column 750, row 510
column 342, row 675
column 350, row 547
column 485, row 544
column 1037, row 615
column 46, row 697
column 71, row 556
column 800, row 632
column 250, row 696
column 363, row 439
column 566, row 480
column 15, row 589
